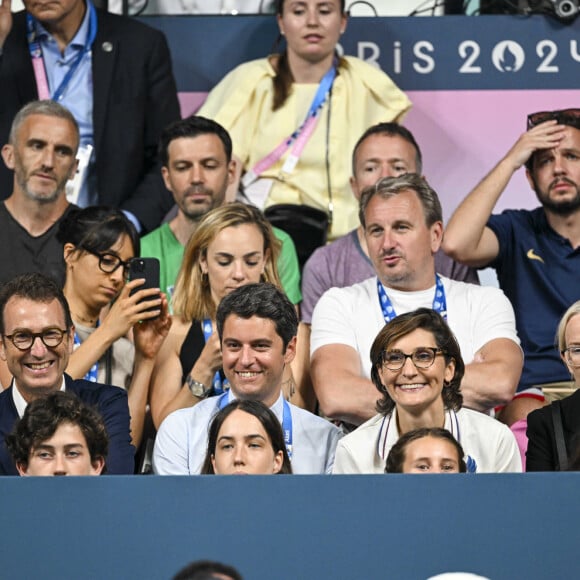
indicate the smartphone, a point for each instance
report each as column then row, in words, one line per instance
column 147, row 268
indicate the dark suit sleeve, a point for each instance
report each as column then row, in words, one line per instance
column 114, row 409
column 17, row 87
column 150, row 201
column 540, row 454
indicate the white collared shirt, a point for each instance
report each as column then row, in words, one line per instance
column 19, row 400
column 181, row 442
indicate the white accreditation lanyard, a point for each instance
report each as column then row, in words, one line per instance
column 286, row 421
column 299, row 138
column 439, row 301
column 453, row 428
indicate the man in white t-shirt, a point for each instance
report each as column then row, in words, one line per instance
column 403, row 228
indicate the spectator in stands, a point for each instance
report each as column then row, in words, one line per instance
column 232, row 245
column 114, row 75
column 257, row 327
column 426, row 450
column 554, row 431
column 41, row 151
column 384, row 150
column 245, row 438
column 208, row 570
column 535, row 253
column 99, row 243
column 308, row 91
column 59, row 435
column 418, row 369
column 37, row 339
column 196, row 154
column 402, row 221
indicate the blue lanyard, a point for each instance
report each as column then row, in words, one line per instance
column 319, row 99
column 286, row 421
column 439, row 302
column 219, row 386
column 36, row 50
column 93, row 371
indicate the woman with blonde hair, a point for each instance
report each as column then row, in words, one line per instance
column 554, row 431
column 233, row 245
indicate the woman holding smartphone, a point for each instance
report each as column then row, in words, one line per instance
column 98, row 245
column 233, row 245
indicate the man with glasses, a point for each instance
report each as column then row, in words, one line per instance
column 535, row 253
column 403, row 227
column 41, row 151
column 37, row 340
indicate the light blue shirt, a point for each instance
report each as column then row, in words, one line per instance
column 181, row 442
column 78, row 95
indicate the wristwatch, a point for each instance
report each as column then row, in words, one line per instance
column 197, row 389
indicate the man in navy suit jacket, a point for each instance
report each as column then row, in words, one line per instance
column 37, row 340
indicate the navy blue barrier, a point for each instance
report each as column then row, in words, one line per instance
column 295, row 527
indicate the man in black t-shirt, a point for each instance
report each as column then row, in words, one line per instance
column 41, row 151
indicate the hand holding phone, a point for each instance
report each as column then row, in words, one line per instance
column 147, row 268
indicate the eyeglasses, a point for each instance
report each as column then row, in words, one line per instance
column 422, row 357
column 572, row 355
column 564, row 117
column 51, row 338
column 109, row 262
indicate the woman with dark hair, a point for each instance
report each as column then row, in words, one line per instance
column 245, row 438
column 295, row 117
column 98, row 244
column 417, row 368
column 426, row 450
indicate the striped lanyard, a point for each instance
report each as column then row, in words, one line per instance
column 219, row 386
column 94, row 370
column 286, row 420
column 38, row 59
column 439, row 302
column 300, row 137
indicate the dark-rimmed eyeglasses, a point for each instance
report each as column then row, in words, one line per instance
column 50, row 337
column 563, row 117
column 109, row 262
column 422, row 357
column 572, row 356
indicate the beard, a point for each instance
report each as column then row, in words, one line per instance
column 195, row 211
column 45, row 197
column 564, row 207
